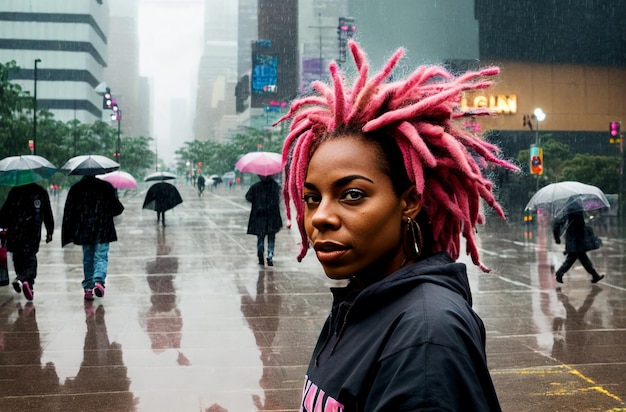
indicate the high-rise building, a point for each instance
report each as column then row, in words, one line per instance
column 247, row 33
column 217, row 75
column 318, row 38
column 432, row 32
column 66, row 41
column 278, row 24
column 122, row 72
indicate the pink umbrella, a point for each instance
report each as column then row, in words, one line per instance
column 260, row 163
column 119, row 179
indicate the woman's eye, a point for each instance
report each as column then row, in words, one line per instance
column 310, row 198
column 353, row 195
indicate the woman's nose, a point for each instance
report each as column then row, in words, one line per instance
column 325, row 215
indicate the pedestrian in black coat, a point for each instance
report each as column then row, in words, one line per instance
column 26, row 208
column 162, row 197
column 265, row 217
column 577, row 243
column 90, row 207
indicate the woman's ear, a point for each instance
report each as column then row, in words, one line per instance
column 412, row 202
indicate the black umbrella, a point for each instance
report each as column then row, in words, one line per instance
column 89, row 165
column 159, row 176
column 161, row 197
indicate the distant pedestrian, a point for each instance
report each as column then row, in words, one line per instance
column 88, row 221
column 265, row 220
column 201, row 185
column 579, row 239
column 162, row 197
column 24, row 211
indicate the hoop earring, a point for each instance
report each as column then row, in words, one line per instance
column 413, row 241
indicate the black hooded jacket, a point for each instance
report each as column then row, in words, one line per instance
column 25, row 209
column 410, row 342
column 90, row 207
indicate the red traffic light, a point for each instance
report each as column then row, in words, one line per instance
column 614, row 129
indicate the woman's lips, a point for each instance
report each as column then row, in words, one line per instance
column 328, row 252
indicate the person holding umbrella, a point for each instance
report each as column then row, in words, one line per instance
column 579, row 239
column 264, row 220
column 26, row 208
column 90, row 207
column 161, row 196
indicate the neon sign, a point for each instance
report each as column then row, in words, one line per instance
column 501, row 104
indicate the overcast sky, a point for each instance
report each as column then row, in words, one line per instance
column 170, row 46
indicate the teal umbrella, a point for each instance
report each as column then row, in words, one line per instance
column 25, row 169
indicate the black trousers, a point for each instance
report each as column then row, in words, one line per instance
column 25, row 266
column 570, row 258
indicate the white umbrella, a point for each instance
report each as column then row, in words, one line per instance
column 89, row 165
column 568, row 197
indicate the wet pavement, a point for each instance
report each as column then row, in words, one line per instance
column 191, row 322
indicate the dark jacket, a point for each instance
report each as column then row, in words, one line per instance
column 406, row 343
column 25, row 209
column 89, row 210
column 576, row 237
column 265, row 214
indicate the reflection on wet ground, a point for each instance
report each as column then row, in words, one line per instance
column 191, row 322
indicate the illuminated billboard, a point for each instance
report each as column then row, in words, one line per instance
column 264, row 73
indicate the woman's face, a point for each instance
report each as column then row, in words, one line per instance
column 352, row 215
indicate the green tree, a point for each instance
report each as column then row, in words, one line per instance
column 600, row 171
column 58, row 141
column 218, row 158
column 15, row 104
column 559, row 164
column 136, row 157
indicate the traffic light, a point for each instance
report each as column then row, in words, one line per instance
column 536, row 160
column 107, row 99
column 615, row 132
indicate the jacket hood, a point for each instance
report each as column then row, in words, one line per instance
column 439, row 269
column 351, row 303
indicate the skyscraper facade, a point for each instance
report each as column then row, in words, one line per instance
column 217, row 75
column 67, row 42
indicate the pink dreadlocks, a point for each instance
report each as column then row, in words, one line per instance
column 442, row 159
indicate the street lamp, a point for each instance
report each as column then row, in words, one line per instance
column 35, row 108
column 539, row 116
column 117, row 115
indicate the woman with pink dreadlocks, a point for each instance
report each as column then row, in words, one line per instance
column 384, row 183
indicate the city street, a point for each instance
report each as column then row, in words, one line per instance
column 191, row 322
